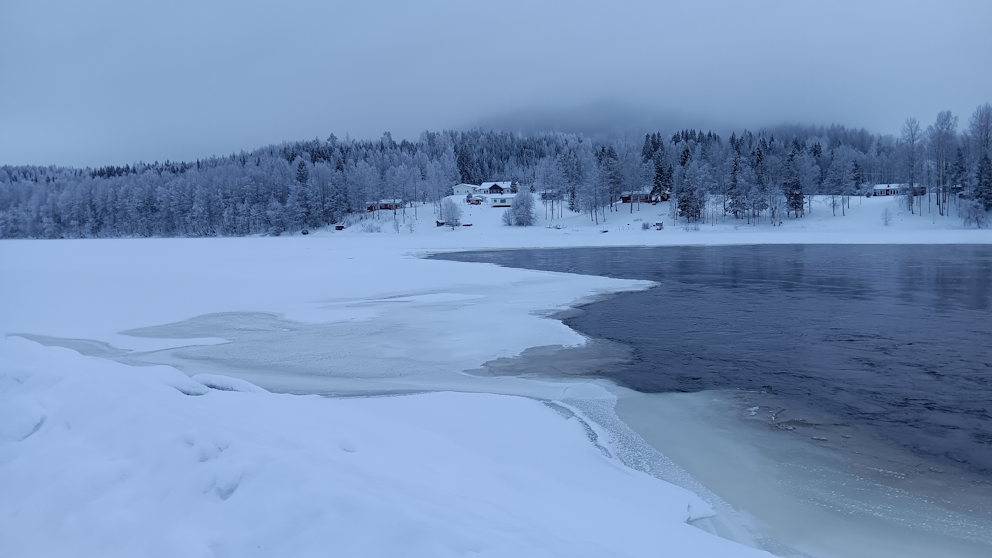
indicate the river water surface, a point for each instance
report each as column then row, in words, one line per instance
column 894, row 339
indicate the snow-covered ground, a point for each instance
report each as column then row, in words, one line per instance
column 102, row 454
column 862, row 223
column 101, row 459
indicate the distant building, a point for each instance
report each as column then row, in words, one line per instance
column 638, row 198
column 896, row 190
column 496, row 187
column 888, row 189
column 386, row 205
column 466, row 189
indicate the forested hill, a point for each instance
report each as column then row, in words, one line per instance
column 315, row 183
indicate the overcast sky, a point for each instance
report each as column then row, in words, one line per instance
column 97, row 82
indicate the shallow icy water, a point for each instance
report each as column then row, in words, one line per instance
column 808, row 496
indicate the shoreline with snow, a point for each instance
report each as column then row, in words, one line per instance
column 337, row 312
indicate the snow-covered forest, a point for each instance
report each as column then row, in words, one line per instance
column 763, row 176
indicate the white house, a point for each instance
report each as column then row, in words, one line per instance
column 465, row 189
column 496, row 187
column 888, row 189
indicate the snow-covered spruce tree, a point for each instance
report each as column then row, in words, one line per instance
column 975, row 205
column 959, row 173
column 275, row 216
column 734, row 198
column 792, row 186
column 747, row 187
column 521, row 212
column 302, row 172
column 695, row 183
column 983, row 183
column 658, row 180
column 809, row 176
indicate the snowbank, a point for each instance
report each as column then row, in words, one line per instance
column 102, row 459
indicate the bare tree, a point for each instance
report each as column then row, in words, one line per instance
column 941, row 137
column 912, row 141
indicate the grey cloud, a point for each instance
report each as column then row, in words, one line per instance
column 112, row 81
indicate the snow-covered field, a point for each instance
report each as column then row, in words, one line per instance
column 101, row 454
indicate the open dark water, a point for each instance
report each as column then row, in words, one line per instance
column 896, row 339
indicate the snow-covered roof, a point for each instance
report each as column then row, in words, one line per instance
column 889, row 186
column 486, row 185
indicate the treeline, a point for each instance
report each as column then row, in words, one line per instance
column 763, row 176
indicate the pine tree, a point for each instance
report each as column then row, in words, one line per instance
column 692, row 191
column 983, row 182
column 959, row 173
column 657, row 183
column 735, row 198
column 792, row 187
column 857, row 175
column 668, row 182
column 302, row 172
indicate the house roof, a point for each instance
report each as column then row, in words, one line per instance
column 504, row 185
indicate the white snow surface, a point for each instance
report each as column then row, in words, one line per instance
column 98, row 457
